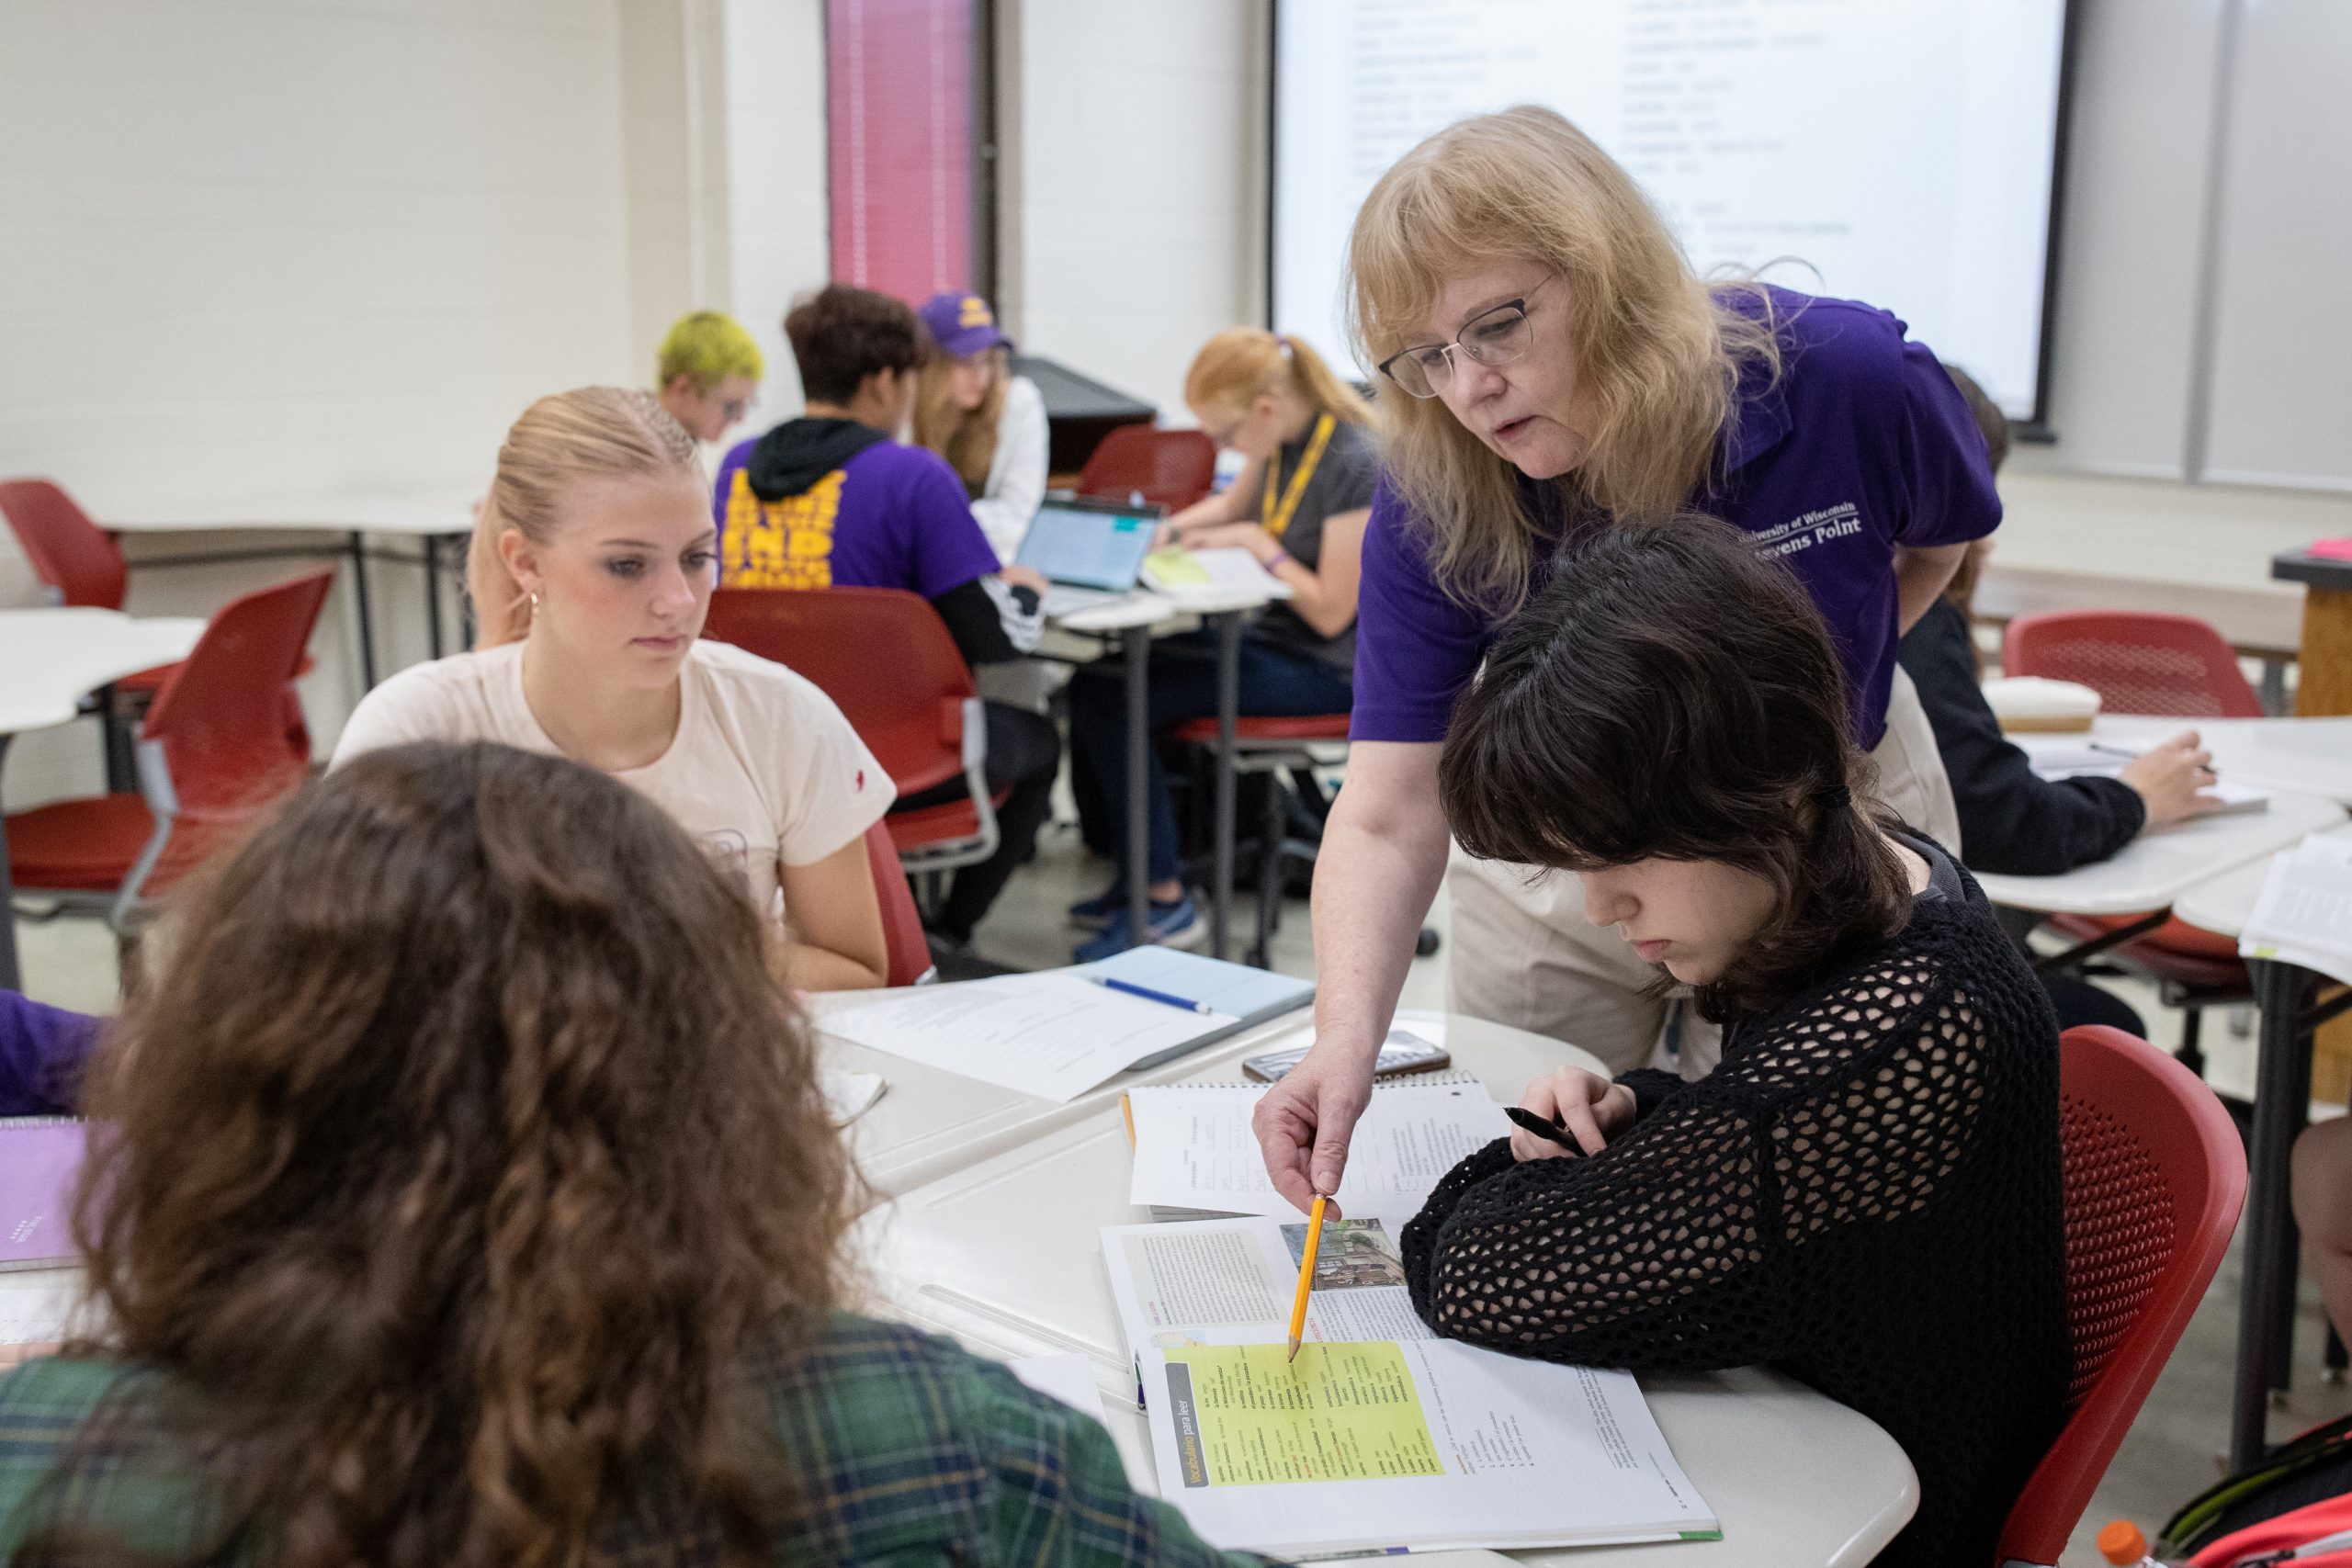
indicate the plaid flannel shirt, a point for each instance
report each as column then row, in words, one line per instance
column 905, row 1450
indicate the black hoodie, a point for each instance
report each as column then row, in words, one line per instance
column 799, row 452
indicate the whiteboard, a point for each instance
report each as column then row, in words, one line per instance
column 1902, row 150
column 2282, row 362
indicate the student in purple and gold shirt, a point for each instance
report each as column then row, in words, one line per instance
column 831, row 500
column 1554, row 367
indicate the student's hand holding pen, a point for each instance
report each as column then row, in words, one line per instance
column 1587, row 1107
column 2172, row 778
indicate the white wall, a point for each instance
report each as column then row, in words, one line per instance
column 1141, row 150
column 774, row 95
column 291, row 246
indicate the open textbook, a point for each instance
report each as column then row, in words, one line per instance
column 1195, row 1148
column 1379, row 1438
column 2303, row 914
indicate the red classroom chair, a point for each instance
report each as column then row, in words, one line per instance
column 218, row 747
column 2136, row 660
column 1269, row 746
column 910, row 961
column 2141, row 662
column 1168, row 468
column 2154, row 1176
column 887, row 659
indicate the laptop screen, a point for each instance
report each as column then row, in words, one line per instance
column 1089, row 549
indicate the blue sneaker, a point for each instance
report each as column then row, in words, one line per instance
column 1093, row 914
column 1172, row 925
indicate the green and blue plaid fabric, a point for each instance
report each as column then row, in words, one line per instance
column 904, row 1449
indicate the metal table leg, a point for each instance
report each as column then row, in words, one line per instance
column 1228, row 707
column 465, row 596
column 2281, row 1104
column 433, row 592
column 1138, row 642
column 358, row 553
column 11, row 977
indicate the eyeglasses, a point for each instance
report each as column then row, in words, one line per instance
column 734, row 408
column 1492, row 337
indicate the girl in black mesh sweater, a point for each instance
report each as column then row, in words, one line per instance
column 1865, row 1193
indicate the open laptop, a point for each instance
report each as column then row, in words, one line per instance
column 1091, row 551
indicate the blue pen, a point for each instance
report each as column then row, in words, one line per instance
column 1147, row 994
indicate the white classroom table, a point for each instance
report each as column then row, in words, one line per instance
column 2154, row 869
column 1005, row 1256
column 431, row 518
column 53, row 658
column 1134, row 619
column 2310, row 756
column 2285, row 994
column 929, row 1124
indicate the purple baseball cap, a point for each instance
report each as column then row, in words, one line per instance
column 961, row 323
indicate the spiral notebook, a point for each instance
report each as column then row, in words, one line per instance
column 40, row 1160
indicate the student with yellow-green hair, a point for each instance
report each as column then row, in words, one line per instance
column 709, row 369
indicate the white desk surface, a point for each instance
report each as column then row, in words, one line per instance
column 2154, row 870
column 929, row 1122
column 56, row 655
column 1005, row 1256
column 340, row 512
column 2313, row 756
column 1147, row 607
column 2226, row 903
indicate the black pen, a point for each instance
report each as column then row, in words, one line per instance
column 1522, row 1117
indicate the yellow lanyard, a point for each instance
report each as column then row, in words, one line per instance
column 1274, row 518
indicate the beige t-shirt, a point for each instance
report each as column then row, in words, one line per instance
column 765, row 772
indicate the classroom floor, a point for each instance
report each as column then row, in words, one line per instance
column 2174, row 1450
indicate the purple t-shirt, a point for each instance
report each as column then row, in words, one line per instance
column 891, row 517
column 1860, row 445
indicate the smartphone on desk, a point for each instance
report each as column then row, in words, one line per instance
column 1402, row 1052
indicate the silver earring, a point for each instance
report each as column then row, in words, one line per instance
column 535, row 603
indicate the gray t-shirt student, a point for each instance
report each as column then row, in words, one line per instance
column 1341, row 481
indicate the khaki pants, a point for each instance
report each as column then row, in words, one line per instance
column 1522, row 953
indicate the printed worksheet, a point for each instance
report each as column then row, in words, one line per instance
column 1054, row 1035
column 1428, row 1444
column 1195, row 1148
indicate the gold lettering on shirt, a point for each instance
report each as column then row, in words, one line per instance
column 781, row 544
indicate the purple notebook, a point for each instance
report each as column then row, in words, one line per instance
column 40, row 1159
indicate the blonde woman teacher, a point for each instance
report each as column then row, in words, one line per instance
column 1553, row 367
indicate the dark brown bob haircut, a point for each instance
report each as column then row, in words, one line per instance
column 1671, row 695
column 841, row 334
column 460, row 1165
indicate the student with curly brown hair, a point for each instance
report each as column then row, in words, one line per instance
column 1865, row 1190
column 462, row 1192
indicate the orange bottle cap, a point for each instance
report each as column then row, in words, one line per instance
column 2122, row 1543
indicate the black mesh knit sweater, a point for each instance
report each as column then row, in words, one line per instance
column 1864, row 1194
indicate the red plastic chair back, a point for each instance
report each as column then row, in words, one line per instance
column 2136, row 662
column 2154, row 1176
column 223, row 716
column 73, row 555
column 1168, row 467
column 882, row 654
column 901, row 924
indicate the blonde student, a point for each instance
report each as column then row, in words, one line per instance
column 591, row 569
column 708, row 373
column 987, row 421
column 1299, row 506
column 473, row 1199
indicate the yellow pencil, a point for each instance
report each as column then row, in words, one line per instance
column 1306, row 1274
